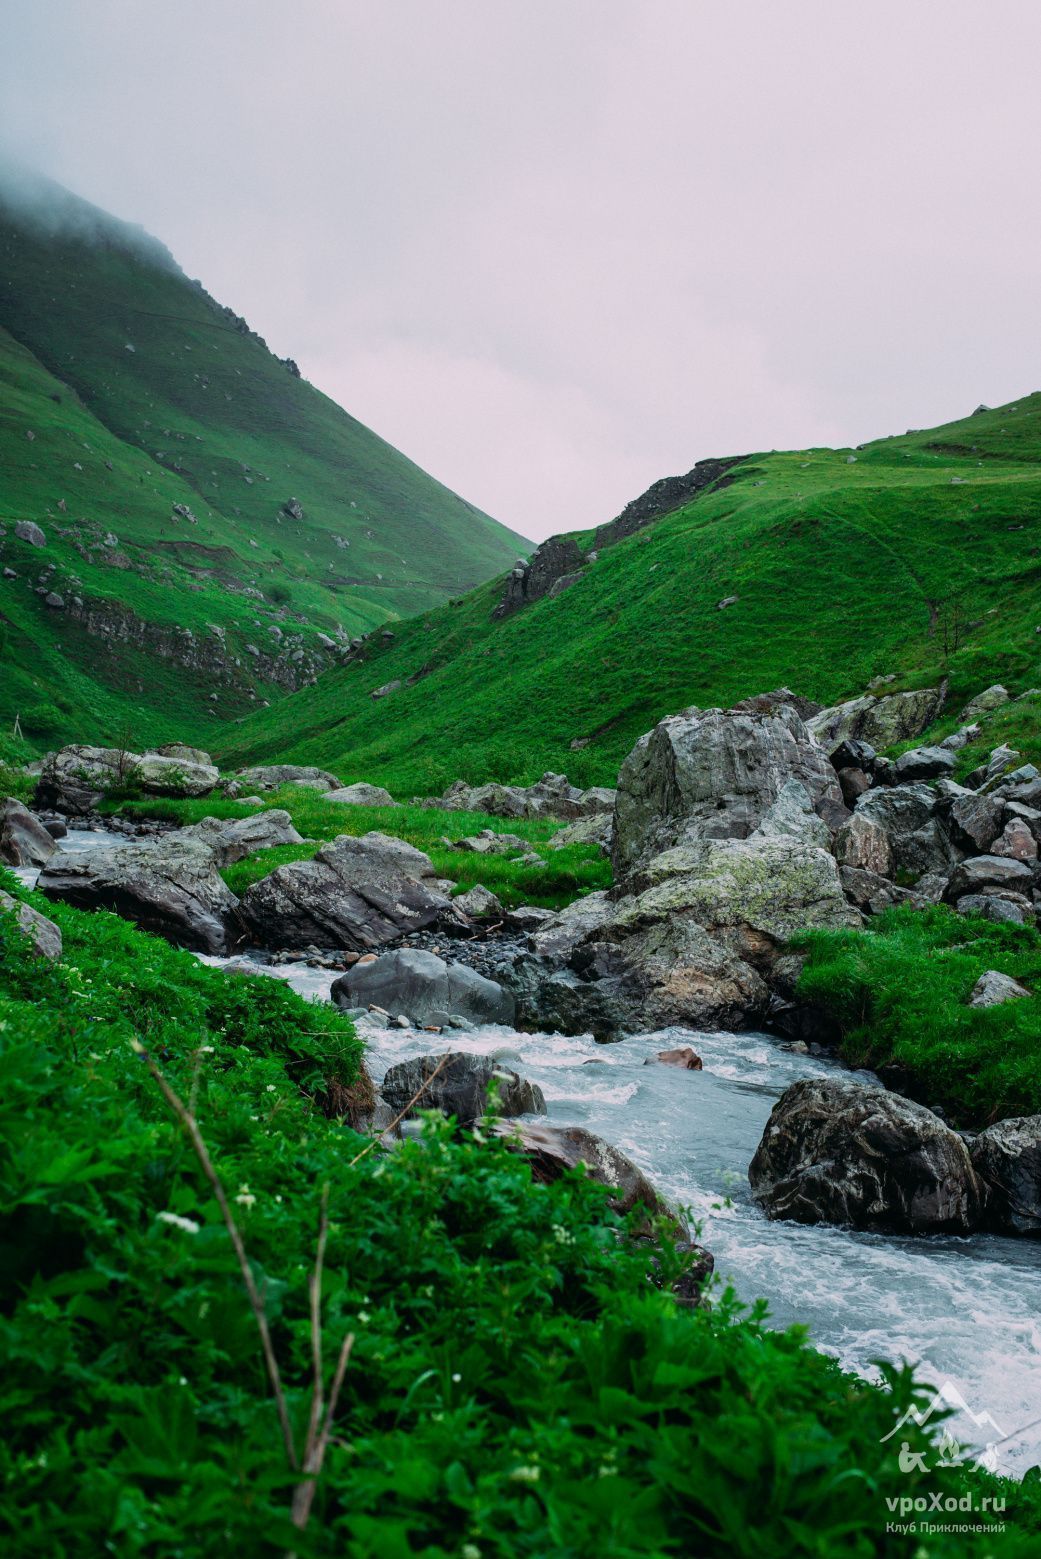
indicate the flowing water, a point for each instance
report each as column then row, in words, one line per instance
column 967, row 1310
column 75, row 842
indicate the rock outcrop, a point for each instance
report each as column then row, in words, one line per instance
column 838, row 1151
column 269, row 776
column 1007, row 1157
column 24, row 841
column 76, row 778
column 356, row 893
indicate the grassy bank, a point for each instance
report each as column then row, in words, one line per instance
column 516, row 1387
column 564, row 874
column 899, row 992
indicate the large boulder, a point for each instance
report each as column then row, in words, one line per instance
column 908, row 817
column 1007, row 1157
column 981, row 872
column 362, row 795
column 882, row 722
column 42, row 934
column 234, row 839
column 552, row 796
column 77, row 777
column 838, row 1151
column 923, row 763
column 167, row 885
column 462, row 1087
column 269, row 776
column 24, row 841
column 715, row 774
column 356, row 893
column 184, row 753
column 597, row 829
column 975, row 820
column 553, row 1151
column 409, row 982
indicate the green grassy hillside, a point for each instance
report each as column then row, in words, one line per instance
column 125, row 391
column 919, row 555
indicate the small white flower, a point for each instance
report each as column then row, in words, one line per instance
column 470, row 1551
column 245, row 1199
column 189, row 1225
column 525, row 1475
column 183, row 1381
column 364, row 1318
column 457, row 1378
column 270, row 1088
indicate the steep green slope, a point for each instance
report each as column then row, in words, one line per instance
column 160, row 447
column 918, row 555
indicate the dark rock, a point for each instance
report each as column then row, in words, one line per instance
column 553, row 1151
column 923, row 763
column 167, row 886
column 988, row 871
column 555, row 560
column 871, row 892
column 1015, row 841
column 853, row 783
column 424, row 988
column 461, row 1088
column 837, row 1151
column 976, row 821
column 1007, row 1157
column 663, row 497
column 24, row 840
column 853, row 754
column 355, row 893
column 914, row 831
column 1001, row 908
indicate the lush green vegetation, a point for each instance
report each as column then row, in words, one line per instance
column 923, row 558
column 561, row 876
column 899, row 991
column 124, row 390
column 517, row 1386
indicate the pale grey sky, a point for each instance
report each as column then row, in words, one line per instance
column 556, row 249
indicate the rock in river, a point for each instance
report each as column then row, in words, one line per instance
column 461, row 1088
column 409, row 982
column 839, row 1151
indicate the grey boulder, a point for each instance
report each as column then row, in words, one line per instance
column 980, row 872
column 234, row 839
column 1007, row 1157
column 168, row 886
column 24, row 841
column 361, row 795
column 77, row 777
column 269, row 776
column 462, row 1087
column 908, row 817
column 923, row 763
column 479, row 903
column 409, row 982
column 838, row 1151
column 552, row 796
column 42, row 934
column 994, row 989
column 356, row 893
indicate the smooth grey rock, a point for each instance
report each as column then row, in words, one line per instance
column 713, row 774
column 160, row 775
column 413, row 983
column 1007, row 1157
column 269, row 776
column 167, row 886
column 185, row 754
column 362, row 795
column 862, row 844
column 1013, row 909
column 462, row 1088
column 923, row 763
column 235, row 839
column 24, row 840
column 837, row 1151
column 42, row 934
column 993, row 989
column 356, row 893
column 479, row 903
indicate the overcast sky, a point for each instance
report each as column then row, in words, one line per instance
column 556, row 249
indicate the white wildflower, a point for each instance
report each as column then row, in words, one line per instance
column 525, row 1475
column 189, row 1225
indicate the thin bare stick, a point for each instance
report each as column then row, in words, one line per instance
column 303, row 1494
column 399, row 1118
column 315, row 1292
column 190, row 1125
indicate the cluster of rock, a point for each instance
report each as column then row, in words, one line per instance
column 839, row 1151
column 553, row 796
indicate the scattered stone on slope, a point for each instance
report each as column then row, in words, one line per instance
column 839, row 1151
column 994, row 989
column 976, row 820
column 991, row 698
column 553, row 796
column 27, row 530
column 24, row 840
column 42, row 934
column 462, row 1088
column 166, row 885
column 1016, row 841
column 409, row 982
column 356, row 893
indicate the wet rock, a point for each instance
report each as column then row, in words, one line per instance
column 418, row 985
column 714, row 774
column 167, row 886
column 685, row 1058
column 462, row 1088
column 994, row 989
column 24, row 840
column 362, row 795
column 270, row 776
column 838, row 1151
column 236, row 839
column 1007, row 1158
column 355, row 893
column 42, row 934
